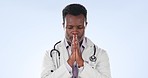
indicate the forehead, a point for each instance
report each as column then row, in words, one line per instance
column 74, row 19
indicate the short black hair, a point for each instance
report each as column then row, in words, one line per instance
column 74, row 9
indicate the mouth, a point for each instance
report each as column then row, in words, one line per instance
column 78, row 37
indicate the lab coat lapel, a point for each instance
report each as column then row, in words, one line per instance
column 63, row 51
column 88, row 51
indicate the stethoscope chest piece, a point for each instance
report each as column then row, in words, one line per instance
column 93, row 58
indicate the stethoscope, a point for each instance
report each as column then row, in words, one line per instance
column 91, row 58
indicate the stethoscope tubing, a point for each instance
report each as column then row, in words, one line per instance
column 92, row 58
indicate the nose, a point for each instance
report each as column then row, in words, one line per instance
column 75, row 31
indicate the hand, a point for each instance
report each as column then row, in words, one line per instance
column 76, row 54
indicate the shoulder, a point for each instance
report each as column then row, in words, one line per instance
column 98, row 47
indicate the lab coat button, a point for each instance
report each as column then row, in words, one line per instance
column 51, row 70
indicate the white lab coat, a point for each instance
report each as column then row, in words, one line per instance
column 98, row 69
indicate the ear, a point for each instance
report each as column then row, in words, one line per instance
column 86, row 24
column 63, row 24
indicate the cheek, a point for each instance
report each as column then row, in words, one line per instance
column 68, row 34
column 82, row 33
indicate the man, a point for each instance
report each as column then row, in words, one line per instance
column 76, row 56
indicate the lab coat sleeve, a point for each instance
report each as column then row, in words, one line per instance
column 48, row 65
column 101, row 70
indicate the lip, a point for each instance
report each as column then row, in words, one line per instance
column 74, row 33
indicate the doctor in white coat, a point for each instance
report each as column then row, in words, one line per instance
column 76, row 56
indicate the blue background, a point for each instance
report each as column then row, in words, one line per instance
column 29, row 27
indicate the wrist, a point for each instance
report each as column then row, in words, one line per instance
column 80, row 64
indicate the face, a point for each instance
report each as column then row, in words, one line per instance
column 74, row 25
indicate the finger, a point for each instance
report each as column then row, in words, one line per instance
column 73, row 48
column 77, row 44
column 74, row 42
column 73, row 55
column 78, row 55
